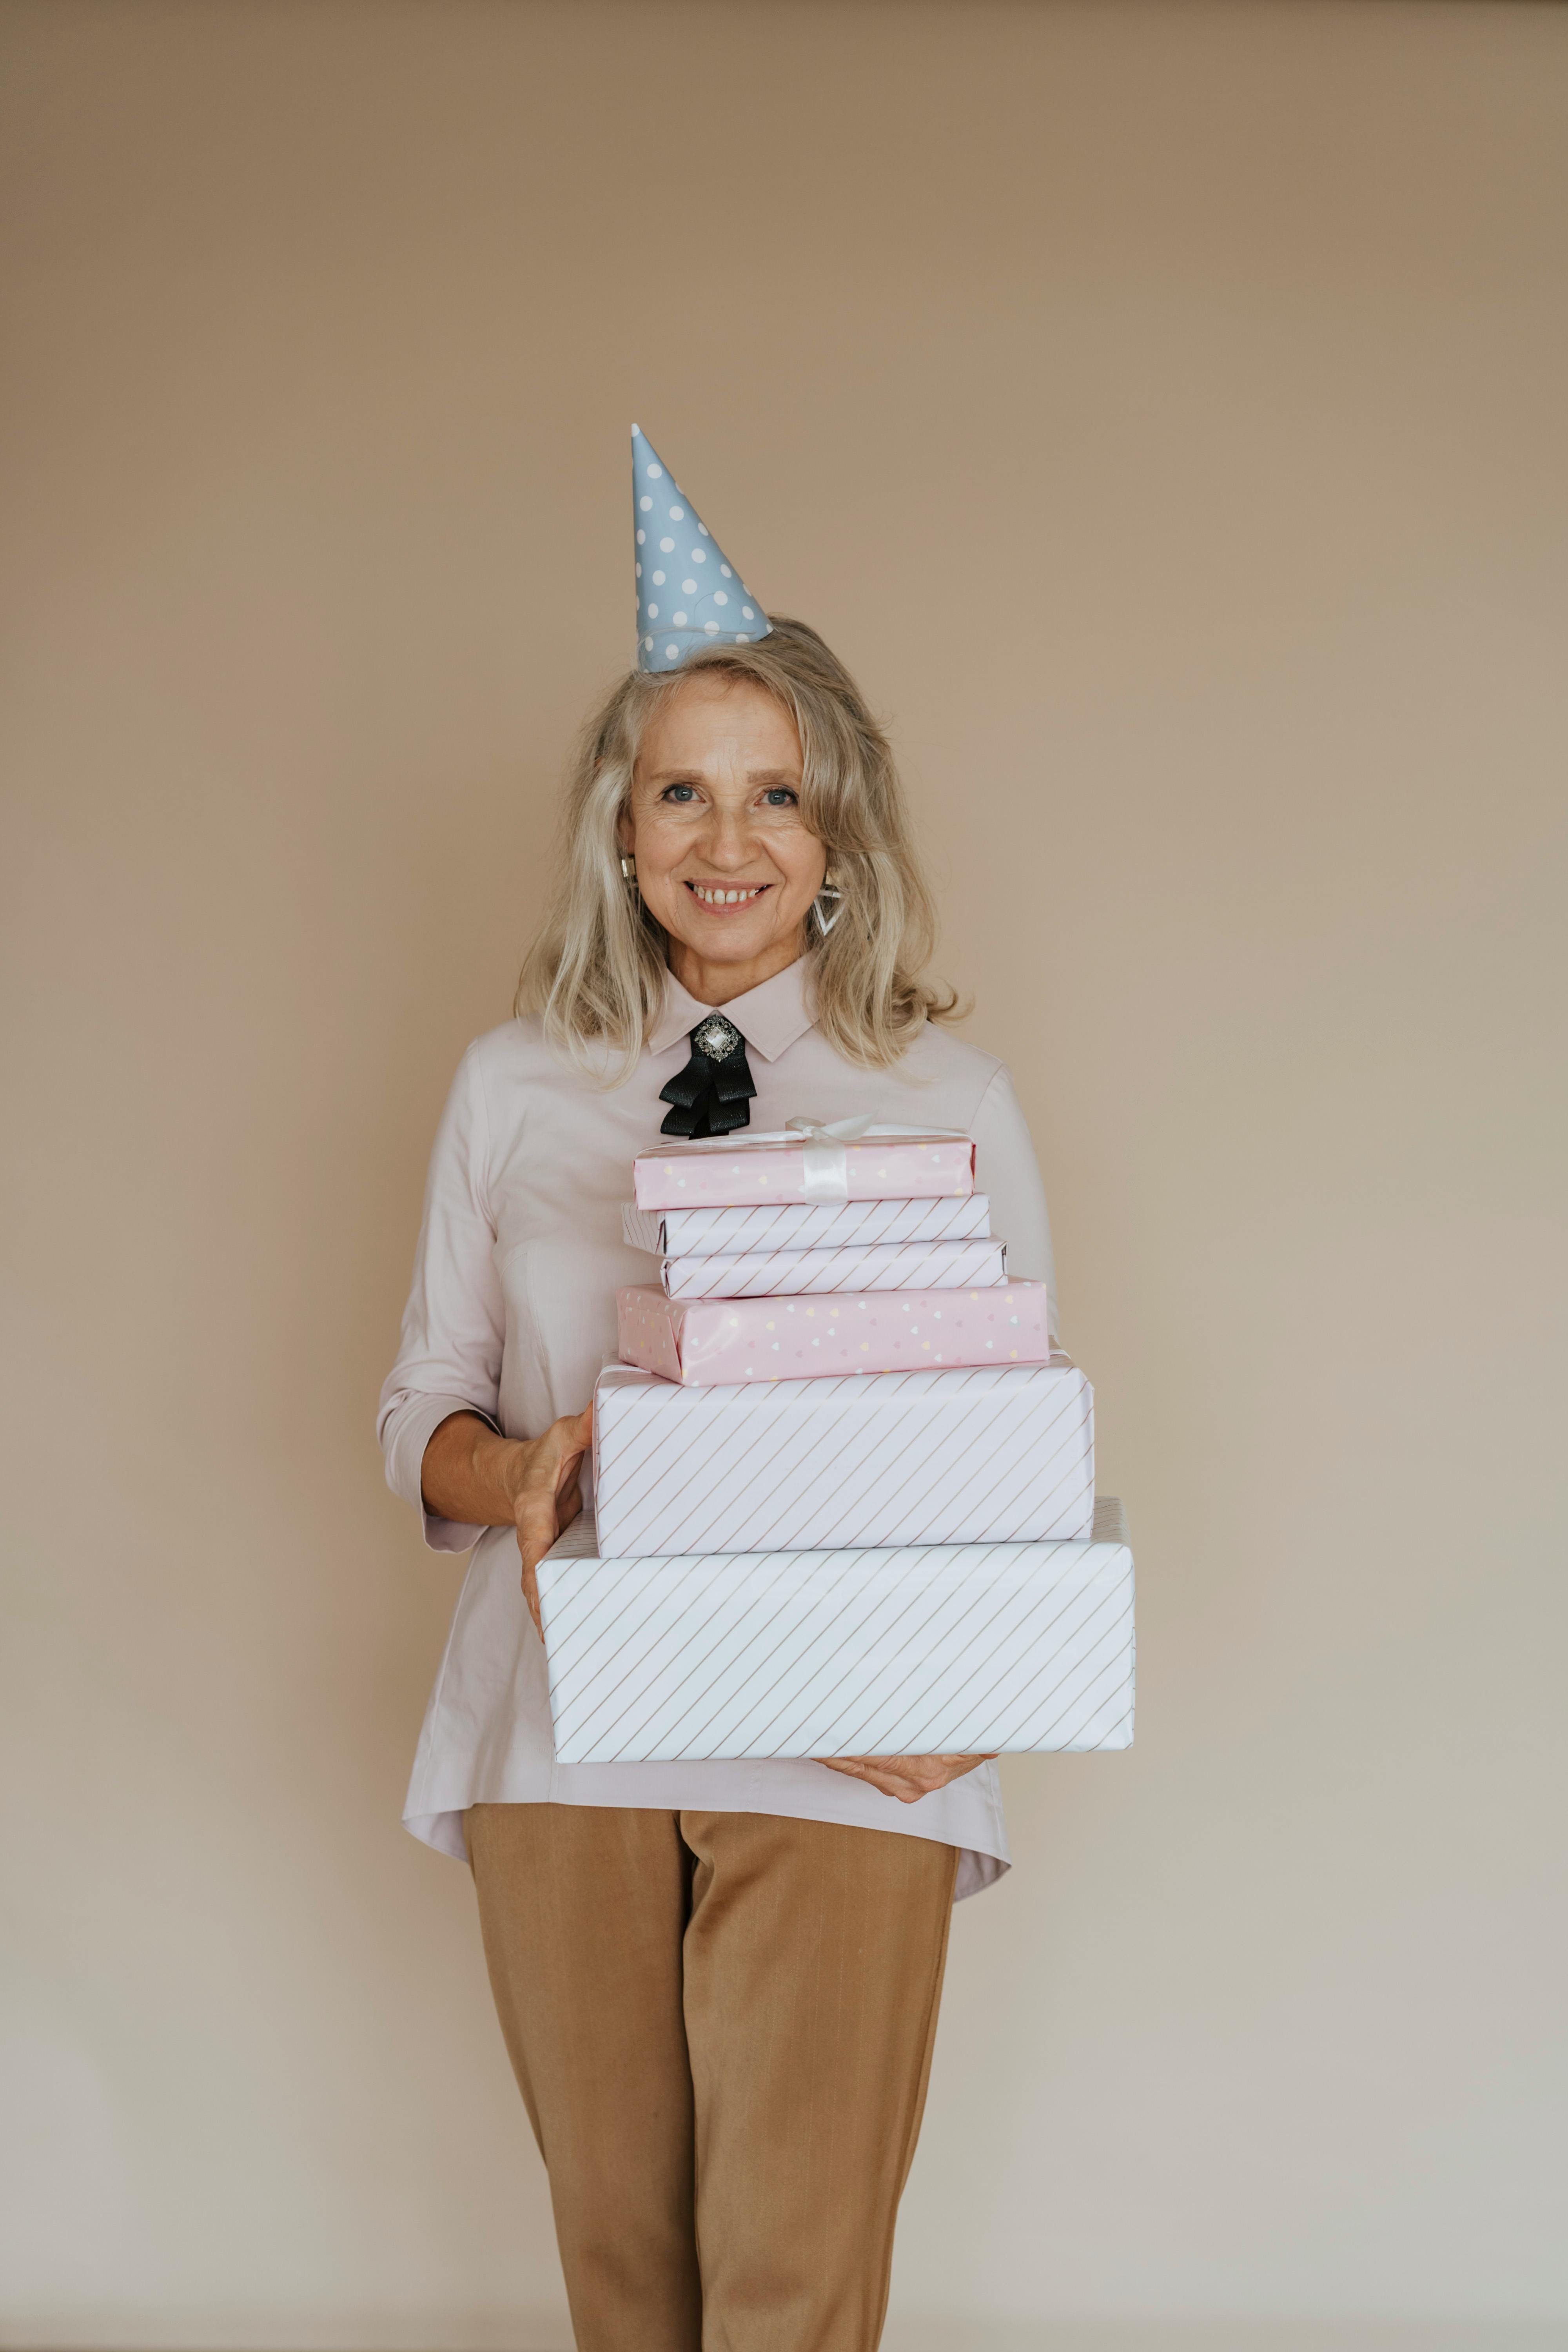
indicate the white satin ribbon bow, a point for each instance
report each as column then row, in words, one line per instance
column 827, row 1160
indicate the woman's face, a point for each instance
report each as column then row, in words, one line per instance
column 724, row 860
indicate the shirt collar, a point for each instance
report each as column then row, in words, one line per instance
column 770, row 1018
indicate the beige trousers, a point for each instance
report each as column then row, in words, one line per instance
column 721, row 2024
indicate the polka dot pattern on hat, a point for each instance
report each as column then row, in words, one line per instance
column 707, row 615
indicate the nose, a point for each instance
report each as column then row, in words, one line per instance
column 727, row 843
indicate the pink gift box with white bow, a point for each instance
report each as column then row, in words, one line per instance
column 850, row 1161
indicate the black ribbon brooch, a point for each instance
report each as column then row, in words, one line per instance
column 712, row 1095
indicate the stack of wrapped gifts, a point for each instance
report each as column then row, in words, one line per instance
column 843, row 1485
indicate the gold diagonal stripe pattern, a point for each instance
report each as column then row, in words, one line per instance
column 1097, row 1681
column 689, row 1470
column 890, row 1650
column 746, row 1701
column 939, row 1264
column 754, row 1486
column 595, row 1693
column 823, row 1508
column 801, row 1224
column 1073, row 1634
column 651, row 1430
column 1018, row 1483
column 979, row 1612
column 748, row 1613
column 1077, row 1641
column 802, row 1627
column 821, row 1733
column 828, row 1737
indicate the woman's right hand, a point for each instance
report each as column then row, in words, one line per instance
column 477, row 1477
column 543, row 1482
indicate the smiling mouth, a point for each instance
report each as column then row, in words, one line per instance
column 718, row 894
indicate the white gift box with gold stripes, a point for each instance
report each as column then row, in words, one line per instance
column 961, row 1649
column 992, row 1454
column 854, row 1266
column 804, row 1224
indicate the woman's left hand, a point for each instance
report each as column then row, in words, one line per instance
column 908, row 1778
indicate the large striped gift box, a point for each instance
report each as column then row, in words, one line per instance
column 992, row 1454
column 804, row 1224
column 856, row 1265
column 965, row 1649
column 706, row 1341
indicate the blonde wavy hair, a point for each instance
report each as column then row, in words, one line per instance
column 596, row 974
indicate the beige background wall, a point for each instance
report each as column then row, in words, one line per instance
column 1163, row 409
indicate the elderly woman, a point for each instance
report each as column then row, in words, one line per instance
column 718, row 1983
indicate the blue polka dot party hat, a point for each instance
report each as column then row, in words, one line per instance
column 688, row 591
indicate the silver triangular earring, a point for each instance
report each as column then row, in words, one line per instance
column 629, row 873
column 832, row 893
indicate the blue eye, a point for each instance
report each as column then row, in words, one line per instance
column 780, row 796
column 678, row 792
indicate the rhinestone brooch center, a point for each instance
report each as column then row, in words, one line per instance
column 718, row 1039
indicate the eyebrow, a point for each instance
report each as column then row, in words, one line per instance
column 791, row 776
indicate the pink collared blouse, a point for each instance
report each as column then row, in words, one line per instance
column 513, row 1312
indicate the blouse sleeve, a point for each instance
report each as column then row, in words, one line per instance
column 454, row 1324
column 1005, row 1168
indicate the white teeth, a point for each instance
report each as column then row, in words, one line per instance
column 727, row 897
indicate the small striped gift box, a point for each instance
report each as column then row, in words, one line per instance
column 856, row 1266
column 804, row 1224
column 965, row 1649
column 998, row 1454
